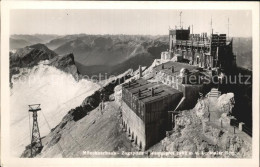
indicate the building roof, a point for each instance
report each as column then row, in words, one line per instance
column 145, row 89
column 167, row 67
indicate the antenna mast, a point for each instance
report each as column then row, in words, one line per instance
column 211, row 27
column 228, row 29
column 180, row 19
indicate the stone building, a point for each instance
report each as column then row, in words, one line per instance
column 188, row 79
column 145, row 107
column 145, row 104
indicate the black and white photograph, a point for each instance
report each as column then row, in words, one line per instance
column 173, row 83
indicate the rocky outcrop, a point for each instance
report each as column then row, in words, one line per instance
column 226, row 102
column 28, row 57
column 32, row 55
column 104, row 93
column 199, row 133
column 66, row 63
column 202, row 110
column 118, row 94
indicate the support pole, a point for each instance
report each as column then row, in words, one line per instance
column 180, row 19
column 228, row 29
column 36, row 143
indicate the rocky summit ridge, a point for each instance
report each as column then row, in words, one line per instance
column 30, row 56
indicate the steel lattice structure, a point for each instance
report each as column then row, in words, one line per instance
column 36, row 143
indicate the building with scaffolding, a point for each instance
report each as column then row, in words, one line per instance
column 213, row 51
column 144, row 110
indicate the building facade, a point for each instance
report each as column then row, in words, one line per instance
column 188, row 79
column 145, row 107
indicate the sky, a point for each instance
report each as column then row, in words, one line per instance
column 130, row 21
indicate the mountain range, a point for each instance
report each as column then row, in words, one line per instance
column 113, row 54
column 21, row 40
column 95, row 54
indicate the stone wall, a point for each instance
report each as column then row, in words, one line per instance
column 134, row 126
column 191, row 94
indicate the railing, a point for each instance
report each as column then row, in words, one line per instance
column 247, row 130
column 193, row 44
